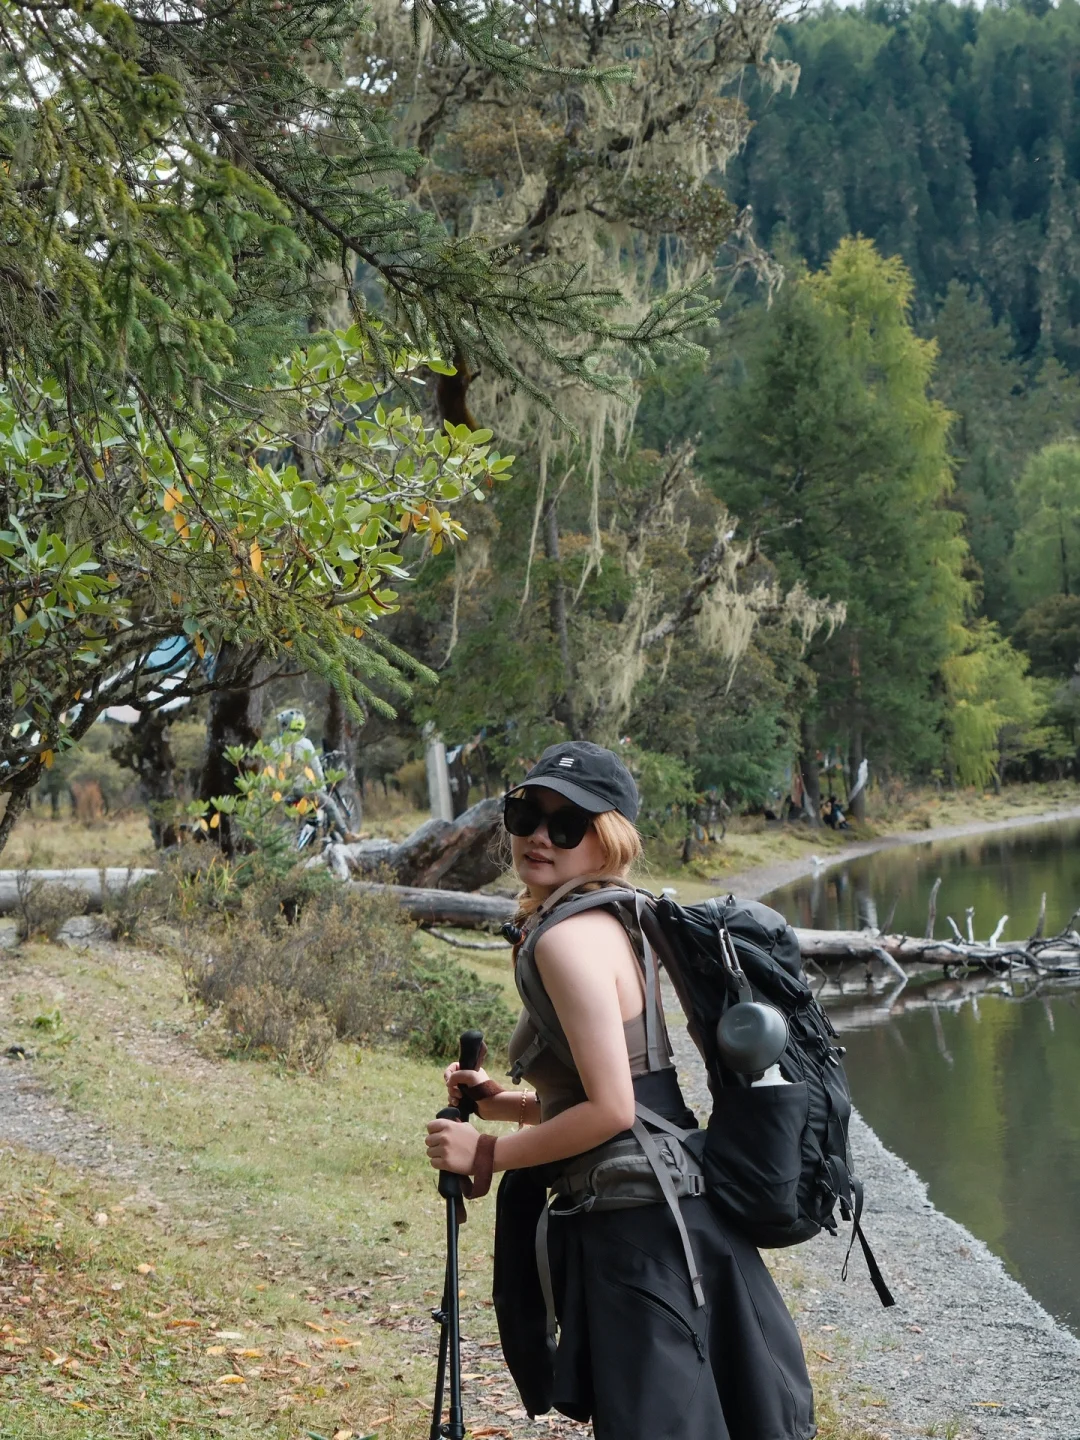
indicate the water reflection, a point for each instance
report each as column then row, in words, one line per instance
column 995, row 875
column 980, row 1093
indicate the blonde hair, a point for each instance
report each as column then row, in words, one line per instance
column 621, row 846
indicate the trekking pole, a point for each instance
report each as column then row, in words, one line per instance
column 448, row 1316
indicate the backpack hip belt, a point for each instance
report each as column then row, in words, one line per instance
column 621, row 1175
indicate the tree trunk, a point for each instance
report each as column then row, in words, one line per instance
column 339, row 743
column 236, row 717
column 858, row 801
column 18, row 800
column 808, row 765
column 564, row 703
column 146, row 750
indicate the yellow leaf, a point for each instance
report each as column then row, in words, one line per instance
column 230, row 1380
column 406, row 521
column 47, row 758
column 183, row 1325
column 248, row 1354
column 113, row 578
column 255, row 555
column 358, row 632
column 303, row 805
column 145, row 1269
column 215, row 821
column 200, row 648
column 215, row 1350
column 276, row 796
column 344, row 1434
column 310, row 773
column 176, row 597
column 321, row 1329
column 172, row 498
column 20, row 613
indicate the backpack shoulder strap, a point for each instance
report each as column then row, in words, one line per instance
column 629, row 906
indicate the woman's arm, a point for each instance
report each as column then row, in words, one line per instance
column 521, row 1106
column 579, row 962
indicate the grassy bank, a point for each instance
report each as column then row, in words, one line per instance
column 265, row 1263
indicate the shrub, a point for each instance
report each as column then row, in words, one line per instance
column 450, row 999
column 41, row 907
column 130, row 908
column 305, row 959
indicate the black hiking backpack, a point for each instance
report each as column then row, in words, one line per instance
column 776, row 1158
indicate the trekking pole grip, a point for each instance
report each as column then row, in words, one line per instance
column 470, row 1049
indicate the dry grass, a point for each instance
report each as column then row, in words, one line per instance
column 45, row 844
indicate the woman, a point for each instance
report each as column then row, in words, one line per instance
column 637, row 1354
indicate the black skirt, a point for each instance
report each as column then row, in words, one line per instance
column 635, row 1355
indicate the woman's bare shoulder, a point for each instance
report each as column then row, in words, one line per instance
column 588, row 933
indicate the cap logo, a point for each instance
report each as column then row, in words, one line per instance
column 566, row 763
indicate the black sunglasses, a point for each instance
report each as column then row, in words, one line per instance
column 566, row 827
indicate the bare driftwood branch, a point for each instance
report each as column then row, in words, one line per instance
column 931, row 914
column 1041, row 925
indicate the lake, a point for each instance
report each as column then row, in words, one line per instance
column 979, row 1093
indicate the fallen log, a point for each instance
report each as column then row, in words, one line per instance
column 14, row 883
column 456, row 854
column 1056, row 956
column 445, row 907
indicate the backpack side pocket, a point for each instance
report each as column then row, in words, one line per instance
column 753, row 1156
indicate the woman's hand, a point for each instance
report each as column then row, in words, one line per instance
column 451, row 1144
column 458, row 1080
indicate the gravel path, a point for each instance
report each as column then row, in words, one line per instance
column 965, row 1351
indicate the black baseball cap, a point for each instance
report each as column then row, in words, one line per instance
column 593, row 778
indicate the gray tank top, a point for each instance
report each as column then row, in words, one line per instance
column 558, row 1086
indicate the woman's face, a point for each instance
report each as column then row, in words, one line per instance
column 540, row 865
